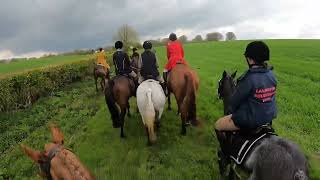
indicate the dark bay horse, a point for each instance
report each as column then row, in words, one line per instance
column 57, row 162
column 118, row 90
column 100, row 71
column 272, row 157
column 183, row 82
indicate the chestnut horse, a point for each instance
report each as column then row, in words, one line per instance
column 100, row 71
column 56, row 162
column 183, row 82
column 117, row 92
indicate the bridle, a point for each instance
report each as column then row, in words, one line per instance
column 45, row 166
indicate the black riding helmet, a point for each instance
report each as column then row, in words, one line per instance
column 173, row 37
column 258, row 51
column 147, row 45
column 118, row 45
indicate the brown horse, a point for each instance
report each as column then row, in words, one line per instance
column 57, row 162
column 117, row 93
column 100, row 72
column 183, row 82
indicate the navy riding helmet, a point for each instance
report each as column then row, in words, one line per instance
column 258, row 51
column 118, row 45
column 147, row 45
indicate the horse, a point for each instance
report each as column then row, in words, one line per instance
column 57, row 162
column 117, row 92
column 151, row 100
column 99, row 71
column 272, row 157
column 183, row 82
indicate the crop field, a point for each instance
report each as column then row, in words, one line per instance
column 82, row 114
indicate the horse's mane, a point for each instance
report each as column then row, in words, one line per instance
column 73, row 164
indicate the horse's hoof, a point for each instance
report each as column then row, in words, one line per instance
column 122, row 136
column 183, row 133
column 169, row 109
column 129, row 115
column 116, row 126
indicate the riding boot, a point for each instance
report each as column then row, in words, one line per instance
column 223, row 159
column 222, row 138
column 164, row 85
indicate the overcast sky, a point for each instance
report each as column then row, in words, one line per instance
column 33, row 27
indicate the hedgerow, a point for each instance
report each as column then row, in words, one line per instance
column 21, row 90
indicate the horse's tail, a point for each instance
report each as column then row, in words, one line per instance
column 150, row 115
column 111, row 103
column 188, row 106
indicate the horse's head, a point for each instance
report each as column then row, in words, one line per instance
column 226, row 85
column 50, row 167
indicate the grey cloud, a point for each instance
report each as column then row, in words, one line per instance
column 63, row 25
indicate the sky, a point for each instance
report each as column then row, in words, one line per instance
column 35, row 27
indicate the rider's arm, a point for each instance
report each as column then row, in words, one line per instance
column 115, row 64
column 242, row 92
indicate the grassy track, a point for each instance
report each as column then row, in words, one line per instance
column 82, row 115
column 25, row 65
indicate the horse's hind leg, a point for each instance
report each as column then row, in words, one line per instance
column 128, row 106
column 96, row 82
column 169, row 102
column 122, row 117
column 102, row 84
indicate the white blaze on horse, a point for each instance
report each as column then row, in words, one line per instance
column 151, row 100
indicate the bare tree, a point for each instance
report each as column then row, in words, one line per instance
column 198, row 38
column 183, row 38
column 215, row 36
column 230, row 36
column 128, row 35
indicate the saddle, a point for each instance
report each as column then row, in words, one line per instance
column 239, row 144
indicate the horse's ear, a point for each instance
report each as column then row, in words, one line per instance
column 234, row 74
column 34, row 155
column 224, row 73
column 57, row 135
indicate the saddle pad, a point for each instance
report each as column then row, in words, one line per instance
column 241, row 145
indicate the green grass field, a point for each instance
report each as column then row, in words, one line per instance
column 26, row 65
column 82, row 115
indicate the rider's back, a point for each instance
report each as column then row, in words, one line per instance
column 253, row 102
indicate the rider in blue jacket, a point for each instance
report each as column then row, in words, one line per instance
column 253, row 103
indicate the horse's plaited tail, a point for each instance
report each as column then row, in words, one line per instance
column 150, row 115
column 188, row 107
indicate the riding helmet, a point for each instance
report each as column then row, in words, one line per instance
column 258, row 51
column 118, row 45
column 173, row 37
column 147, row 45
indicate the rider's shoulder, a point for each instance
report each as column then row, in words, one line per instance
column 244, row 76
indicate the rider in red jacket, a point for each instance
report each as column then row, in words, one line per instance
column 175, row 55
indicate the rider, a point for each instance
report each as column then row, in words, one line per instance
column 101, row 59
column 149, row 65
column 121, row 62
column 175, row 55
column 253, row 102
column 135, row 61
